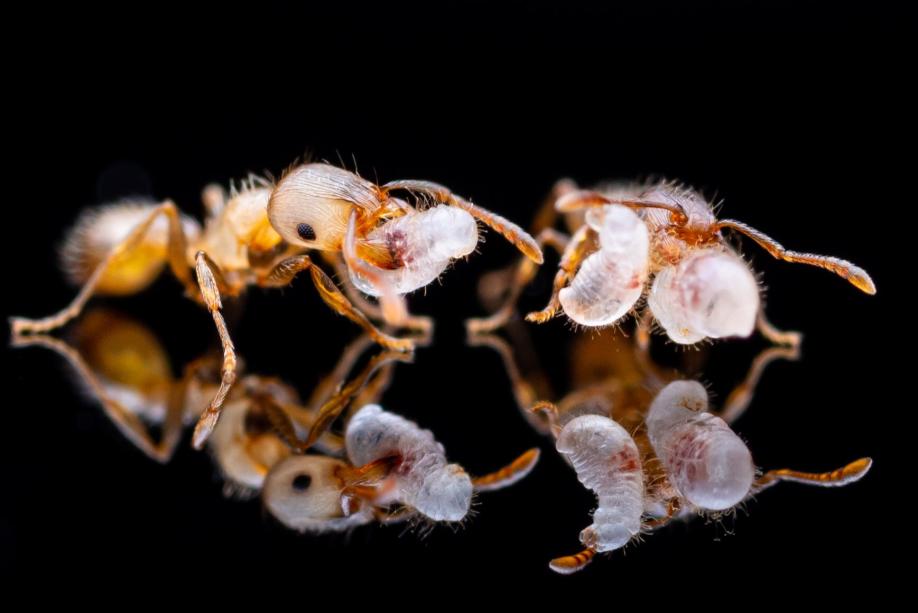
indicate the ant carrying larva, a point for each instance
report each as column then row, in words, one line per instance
column 642, row 439
column 260, row 236
column 663, row 242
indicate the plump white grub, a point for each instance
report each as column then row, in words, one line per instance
column 611, row 280
column 606, row 461
column 423, row 479
column 709, row 294
column 705, row 460
column 421, row 245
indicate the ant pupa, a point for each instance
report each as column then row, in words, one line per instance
column 260, row 236
column 395, row 470
column 642, row 439
column 663, row 242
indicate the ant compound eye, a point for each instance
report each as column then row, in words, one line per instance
column 302, row 482
column 306, row 232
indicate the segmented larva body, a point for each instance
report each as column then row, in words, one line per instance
column 422, row 478
column 611, row 280
column 304, row 493
column 421, row 245
column 99, row 230
column 707, row 463
column 606, row 461
column 710, row 293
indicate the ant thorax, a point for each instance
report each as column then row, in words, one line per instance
column 422, row 479
column 606, row 461
column 707, row 463
column 419, row 246
column 669, row 243
column 612, row 279
column 238, row 228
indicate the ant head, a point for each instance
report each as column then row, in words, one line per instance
column 311, row 204
column 304, row 492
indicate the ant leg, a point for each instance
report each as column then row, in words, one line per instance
column 208, row 273
column 551, row 410
column 176, row 257
column 506, row 228
column 420, row 324
column 836, row 478
column 394, row 309
column 127, row 422
column 577, row 250
column 327, row 384
column 672, row 508
column 335, row 405
column 281, row 417
column 509, row 474
column 789, row 338
column 855, row 275
column 738, row 400
column 283, row 274
column 523, row 274
column 571, row 564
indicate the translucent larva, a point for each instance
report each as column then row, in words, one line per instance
column 711, row 293
column 99, row 230
column 422, row 478
column 612, row 279
column 304, row 492
column 705, row 460
column 421, row 245
column 606, row 461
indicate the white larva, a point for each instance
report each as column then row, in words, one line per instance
column 606, row 461
column 705, row 460
column 709, row 294
column 423, row 244
column 422, row 478
column 611, row 280
column 304, row 493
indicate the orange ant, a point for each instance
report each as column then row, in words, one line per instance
column 259, row 236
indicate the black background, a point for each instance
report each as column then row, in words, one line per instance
column 798, row 117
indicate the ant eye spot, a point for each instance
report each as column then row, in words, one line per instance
column 302, row 482
column 306, row 232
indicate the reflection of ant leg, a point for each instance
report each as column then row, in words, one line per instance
column 526, row 390
column 571, row 564
column 787, row 338
column 176, row 257
column 579, row 247
column 127, row 422
column 836, row 478
column 327, row 385
column 509, row 474
column 742, row 394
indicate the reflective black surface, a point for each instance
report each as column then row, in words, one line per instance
column 790, row 115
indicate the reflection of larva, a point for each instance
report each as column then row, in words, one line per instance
column 395, row 470
column 661, row 241
column 706, row 468
column 260, row 236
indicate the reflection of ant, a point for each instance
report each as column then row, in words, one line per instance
column 123, row 365
column 663, row 242
column 644, row 441
column 260, row 235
